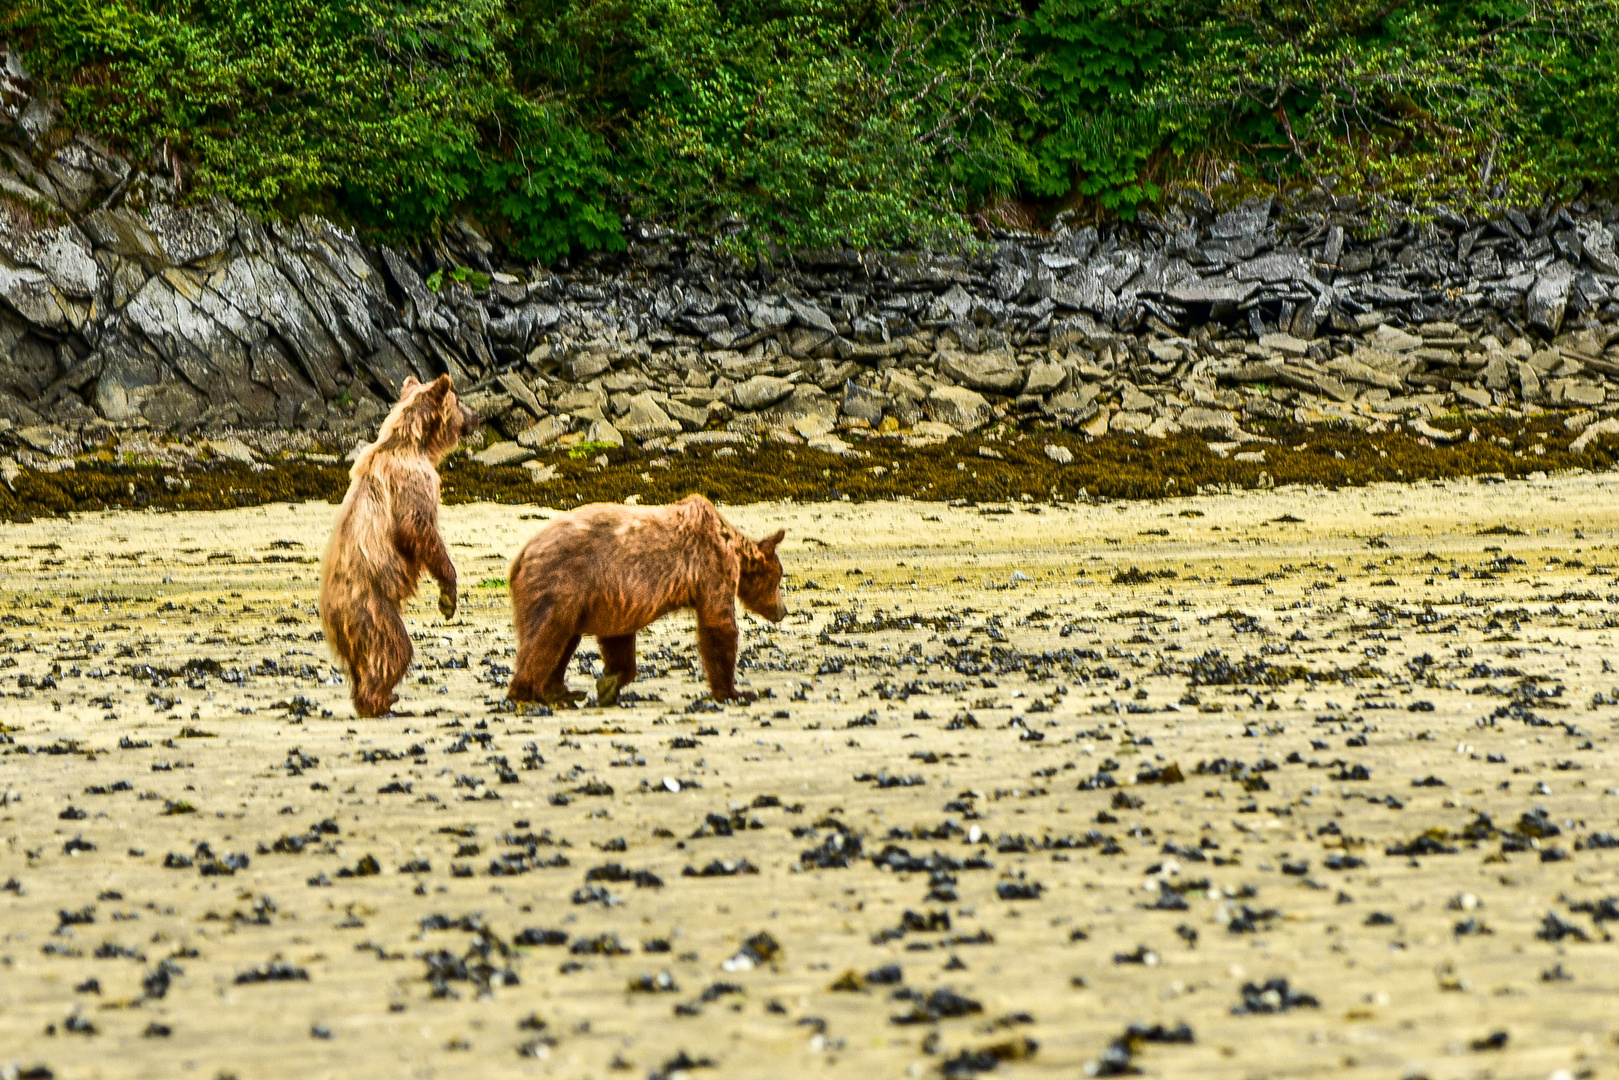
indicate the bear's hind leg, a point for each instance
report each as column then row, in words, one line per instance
column 542, row 661
column 384, row 654
column 618, row 663
column 556, row 690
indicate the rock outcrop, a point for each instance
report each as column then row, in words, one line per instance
column 124, row 305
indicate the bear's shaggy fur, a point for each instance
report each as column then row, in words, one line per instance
column 386, row 535
column 611, row 571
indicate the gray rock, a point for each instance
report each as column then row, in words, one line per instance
column 865, row 404
column 521, row 392
column 1544, row 361
column 62, row 252
column 1582, row 393
column 180, row 315
column 1167, row 352
column 1528, row 382
column 900, row 384
column 1060, row 454
column 1277, row 267
column 542, row 433
column 1385, row 293
column 1596, row 239
column 488, row 405
column 230, row 449
column 38, row 117
column 1044, row 377
column 258, row 291
column 503, row 453
column 579, row 398
column 688, row 417
column 802, row 341
column 1249, row 219
column 811, row 316
column 1008, row 281
column 813, row 426
column 603, row 432
column 1356, row 371
column 807, row 401
column 831, row 444
column 962, row 409
column 581, row 366
column 75, row 177
column 645, row 420
column 1133, row 400
column 996, row 372
column 189, row 234
column 1548, row 297
column 1498, row 371
column 135, row 384
column 1589, row 435
column 30, row 294
column 1334, row 247
column 1205, row 420
column 1286, row 344
column 1082, row 396
column 956, row 303
column 1082, row 292
column 1393, row 339
column 761, row 391
column 1221, row 295
column 1125, row 422
column 762, row 316
column 906, row 411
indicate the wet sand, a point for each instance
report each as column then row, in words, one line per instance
column 957, row 767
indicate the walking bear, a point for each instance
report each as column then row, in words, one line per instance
column 611, row 571
column 386, row 535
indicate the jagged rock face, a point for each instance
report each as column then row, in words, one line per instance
column 122, row 303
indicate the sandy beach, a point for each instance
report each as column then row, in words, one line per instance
column 1020, row 776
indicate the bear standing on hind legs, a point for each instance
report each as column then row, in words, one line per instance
column 611, row 571
column 386, row 535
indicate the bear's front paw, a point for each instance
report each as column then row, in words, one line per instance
column 446, row 602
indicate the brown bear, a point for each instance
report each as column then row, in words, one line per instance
column 611, row 571
column 386, row 535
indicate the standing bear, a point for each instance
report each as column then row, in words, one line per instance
column 386, row 535
column 611, row 571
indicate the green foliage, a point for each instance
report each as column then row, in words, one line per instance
column 474, row 279
column 1426, row 100
column 1091, row 134
column 827, row 122
column 391, row 112
column 590, row 449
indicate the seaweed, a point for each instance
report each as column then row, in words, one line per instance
column 1110, row 468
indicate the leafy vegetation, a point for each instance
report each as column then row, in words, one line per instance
column 818, row 122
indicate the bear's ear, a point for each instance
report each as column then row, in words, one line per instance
column 435, row 393
column 769, row 543
column 411, row 383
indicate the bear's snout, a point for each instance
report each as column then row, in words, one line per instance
column 777, row 613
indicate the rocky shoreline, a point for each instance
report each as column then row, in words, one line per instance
column 132, row 318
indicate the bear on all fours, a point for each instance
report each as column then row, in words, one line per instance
column 610, row 571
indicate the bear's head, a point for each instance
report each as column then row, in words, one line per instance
column 428, row 419
column 759, row 584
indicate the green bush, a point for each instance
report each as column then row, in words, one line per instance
column 390, row 112
column 829, row 122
